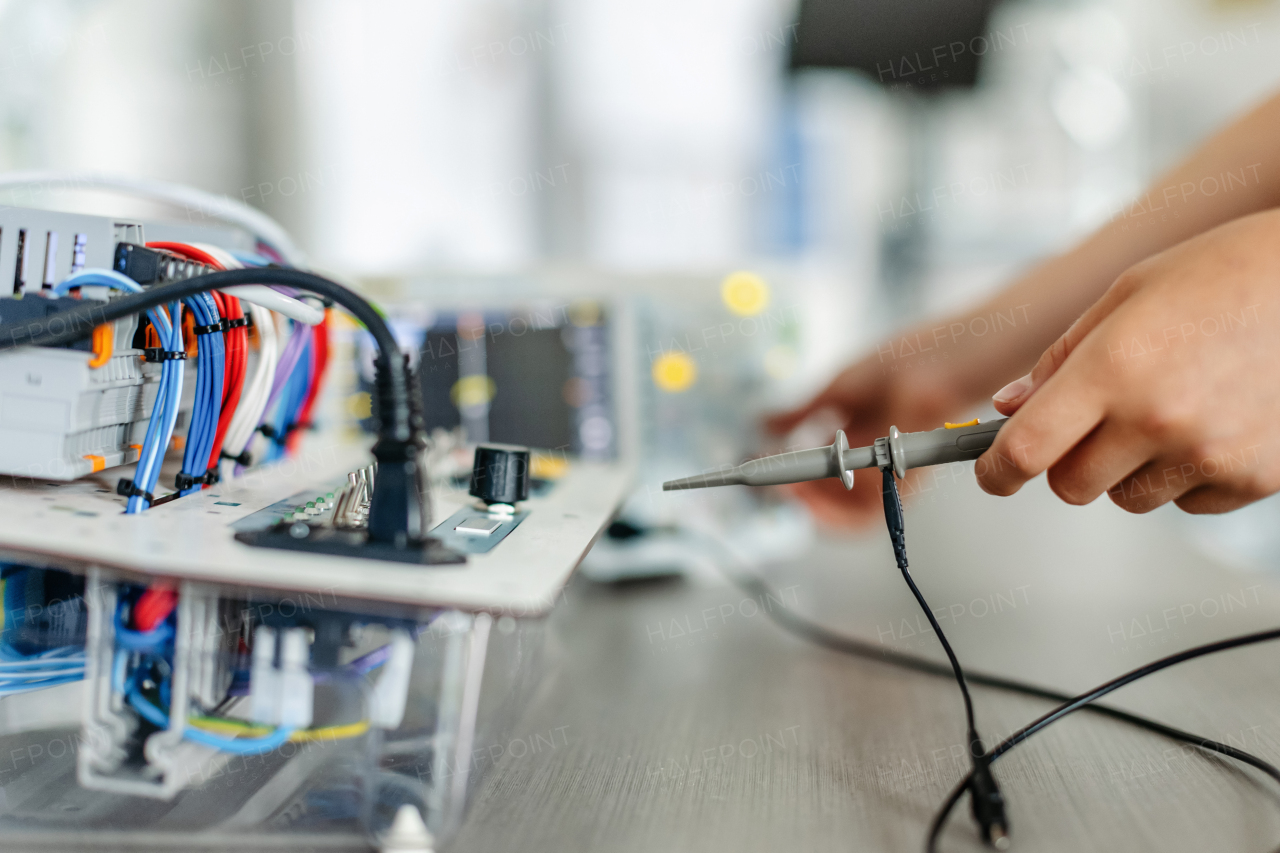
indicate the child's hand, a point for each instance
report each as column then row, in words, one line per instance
column 1166, row 389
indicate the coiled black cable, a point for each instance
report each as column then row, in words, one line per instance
column 1084, row 700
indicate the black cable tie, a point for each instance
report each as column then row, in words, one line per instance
column 127, row 488
column 212, row 477
column 237, row 322
column 209, row 329
column 185, row 481
column 268, row 430
column 159, row 354
column 245, row 458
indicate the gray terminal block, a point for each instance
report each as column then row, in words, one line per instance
column 898, row 450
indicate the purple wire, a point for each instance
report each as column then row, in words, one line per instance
column 288, row 361
column 373, row 660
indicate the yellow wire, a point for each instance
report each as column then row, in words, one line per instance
column 240, row 729
column 350, row 730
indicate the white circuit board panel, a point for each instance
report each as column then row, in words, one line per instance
column 81, row 523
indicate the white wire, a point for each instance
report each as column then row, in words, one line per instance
column 262, row 295
column 257, row 387
column 228, row 260
column 204, row 203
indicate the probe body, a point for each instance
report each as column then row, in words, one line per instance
column 898, row 451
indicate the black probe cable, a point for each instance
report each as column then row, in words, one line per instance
column 1084, row 699
column 984, row 792
column 795, row 624
column 810, row 631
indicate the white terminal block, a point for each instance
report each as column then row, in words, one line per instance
column 297, row 688
column 386, row 704
column 284, row 695
column 264, row 680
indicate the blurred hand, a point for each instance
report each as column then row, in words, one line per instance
column 1166, row 389
column 867, row 398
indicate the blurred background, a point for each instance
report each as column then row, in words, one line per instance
column 854, row 163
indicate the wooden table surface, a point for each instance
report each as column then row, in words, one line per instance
column 676, row 716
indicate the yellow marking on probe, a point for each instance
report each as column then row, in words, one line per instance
column 950, row 425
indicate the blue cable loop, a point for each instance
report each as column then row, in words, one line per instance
column 164, row 413
column 208, row 396
column 237, row 746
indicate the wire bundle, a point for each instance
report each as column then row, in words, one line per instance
column 34, row 617
column 210, row 373
column 229, row 404
column 164, row 412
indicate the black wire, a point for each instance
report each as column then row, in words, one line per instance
column 396, row 420
column 1083, row 700
column 951, row 656
column 797, row 625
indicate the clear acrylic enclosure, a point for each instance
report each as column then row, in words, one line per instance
column 138, row 714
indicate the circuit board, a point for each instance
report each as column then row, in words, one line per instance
column 79, row 524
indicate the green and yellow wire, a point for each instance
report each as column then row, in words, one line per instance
column 240, row 728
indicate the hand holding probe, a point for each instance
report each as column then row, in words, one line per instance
column 898, row 451
column 893, row 454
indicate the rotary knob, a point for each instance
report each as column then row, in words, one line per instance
column 500, row 474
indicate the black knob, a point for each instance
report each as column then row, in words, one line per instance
column 500, row 473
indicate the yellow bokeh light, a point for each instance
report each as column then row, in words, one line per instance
column 744, row 293
column 674, row 372
column 544, row 466
column 471, row 391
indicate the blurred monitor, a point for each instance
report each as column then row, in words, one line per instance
column 536, row 378
column 914, row 44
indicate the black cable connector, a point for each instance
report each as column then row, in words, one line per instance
column 986, row 800
column 984, row 792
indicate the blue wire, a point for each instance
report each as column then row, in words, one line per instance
column 210, row 371
column 251, row 259
column 106, row 278
column 165, row 412
column 208, row 396
column 237, row 746
column 292, row 397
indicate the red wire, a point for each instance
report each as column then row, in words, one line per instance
column 190, row 251
column 236, row 360
column 153, row 607
column 319, row 361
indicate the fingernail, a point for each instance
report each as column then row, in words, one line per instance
column 1015, row 389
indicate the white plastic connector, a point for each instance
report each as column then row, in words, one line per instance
column 282, row 696
column 297, row 688
column 264, row 681
column 386, row 704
